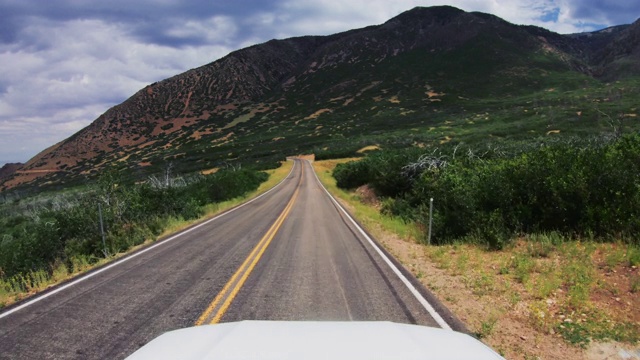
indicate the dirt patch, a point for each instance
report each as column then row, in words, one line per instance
column 38, row 171
column 197, row 135
column 432, row 94
column 368, row 196
column 394, row 100
column 209, row 171
column 223, row 140
column 316, row 114
column 147, row 144
column 612, row 351
column 310, row 157
column 368, row 148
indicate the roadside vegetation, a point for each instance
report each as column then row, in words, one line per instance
column 534, row 246
column 582, row 188
column 46, row 240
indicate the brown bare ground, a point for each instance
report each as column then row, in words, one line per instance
column 209, row 171
column 368, row 148
column 316, row 114
column 512, row 332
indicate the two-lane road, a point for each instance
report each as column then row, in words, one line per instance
column 291, row 254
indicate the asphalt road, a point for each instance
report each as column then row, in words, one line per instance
column 289, row 255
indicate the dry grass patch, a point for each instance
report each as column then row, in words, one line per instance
column 368, row 148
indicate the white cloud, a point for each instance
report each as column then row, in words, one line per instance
column 69, row 63
column 68, row 73
column 214, row 29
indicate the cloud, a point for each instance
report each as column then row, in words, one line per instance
column 65, row 62
column 608, row 12
column 59, row 76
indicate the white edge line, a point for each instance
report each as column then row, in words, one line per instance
column 434, row 314
column 118, row 262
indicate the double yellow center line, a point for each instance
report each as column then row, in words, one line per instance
column 222, row 301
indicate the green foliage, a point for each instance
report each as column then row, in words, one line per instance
column 486, row 328
column 70, row 233
column 633, row 255
column 576, row 188
column 352, row 175
column 597, row 326
column 382, row 170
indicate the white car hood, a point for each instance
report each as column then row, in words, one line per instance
column 313, row 340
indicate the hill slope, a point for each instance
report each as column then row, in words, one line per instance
column 334, row 93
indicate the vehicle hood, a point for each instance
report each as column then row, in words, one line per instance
column 313, row 340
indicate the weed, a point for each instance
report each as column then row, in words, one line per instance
column 597, row 325
column 523, row 266
column 579, row 294
column 574, row 333
column 81, row 263
column 486, row 328
column 539, row 316
column 579, row 277
column 542, row 245
column 59, row 272
column 634, row 284
column 462, row 263
column 36, row 280
column 483, row 284
column 514, row 297
column 547, row 283
column 616, row 256
column 505, row 268
column 633, row 255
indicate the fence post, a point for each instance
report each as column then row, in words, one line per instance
column 104, row 243
column 430, row 220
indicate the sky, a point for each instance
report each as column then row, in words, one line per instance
column 65, row 62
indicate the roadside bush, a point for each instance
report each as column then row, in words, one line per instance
column 576, row 190
column 131, row 214
column 352, row 174
column 382, row 170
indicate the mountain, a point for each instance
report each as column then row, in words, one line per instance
column 9, row 169
column 332, row 94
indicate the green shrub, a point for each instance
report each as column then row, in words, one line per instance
column 586, row 189
column 352, row 174
column 130, row 213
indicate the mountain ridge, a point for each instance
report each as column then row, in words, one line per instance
column 290, row 83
